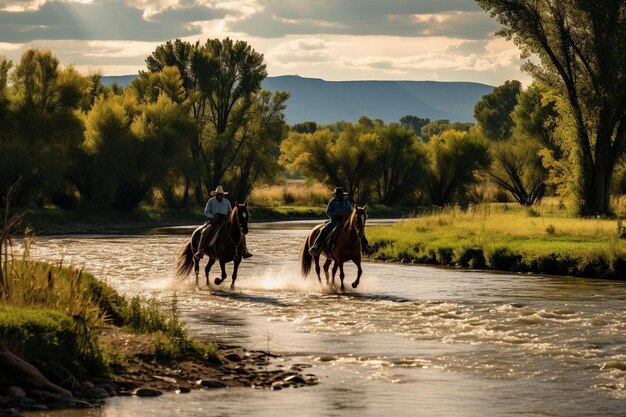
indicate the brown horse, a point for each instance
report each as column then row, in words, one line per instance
column 229, row 243
column 347, row 248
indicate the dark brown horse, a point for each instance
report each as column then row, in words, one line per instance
column 347, row 248
column 229, row 243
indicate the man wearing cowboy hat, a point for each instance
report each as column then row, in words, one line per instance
column 338, row 208
column 216, row 210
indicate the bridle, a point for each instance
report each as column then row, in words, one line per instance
column 360, row 225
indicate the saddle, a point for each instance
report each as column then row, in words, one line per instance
column 214, row 234
column 331, row 239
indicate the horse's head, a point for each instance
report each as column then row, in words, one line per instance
column 241, row 216
column 358, row 218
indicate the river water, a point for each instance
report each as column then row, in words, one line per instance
column 410, row 341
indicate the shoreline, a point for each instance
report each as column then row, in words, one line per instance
column 143, row 376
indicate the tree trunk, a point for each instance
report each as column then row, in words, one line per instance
column 596, row 184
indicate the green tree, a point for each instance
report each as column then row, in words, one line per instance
column 258, row 159
column 48, row 129
column 414, row 123
column 454, row 158
column 493, row 111
column 343, row 158
column 305, row 127
column 437, row 127
column 580, row 45
column 400, row 163
column 229, row 75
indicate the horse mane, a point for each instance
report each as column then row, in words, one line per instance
column 352, row 218
column 233, row 213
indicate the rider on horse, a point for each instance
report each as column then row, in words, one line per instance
column 217, row 209
column 338, row 209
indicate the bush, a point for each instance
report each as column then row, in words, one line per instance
column 502, row 258
column 48, row 339
column 470, row 257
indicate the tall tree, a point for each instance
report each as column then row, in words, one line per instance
column 414, row 123
column 229, row 74
column 493, row 111
column 580, row 45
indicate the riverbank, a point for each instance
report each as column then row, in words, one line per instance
column 506, row 238
column 54, row 221
column 68, row 340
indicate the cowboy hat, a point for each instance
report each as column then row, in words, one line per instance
column 218, row 190
column 339, row 190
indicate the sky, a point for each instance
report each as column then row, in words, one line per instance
column 441, row 40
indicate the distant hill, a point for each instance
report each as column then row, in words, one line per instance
column 324, row 102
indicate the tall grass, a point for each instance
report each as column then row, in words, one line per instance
column 502, row 236
column 297, row 193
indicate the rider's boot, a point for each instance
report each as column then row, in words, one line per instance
column 203, row 237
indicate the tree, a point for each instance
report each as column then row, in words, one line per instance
column 400, row 161
column 336, row 159
column 454, row 158
column 48, row 129
column 437, row 127
column 414, row 123
column 258, row 158
column 229, row 74
column 580, row 45
column 517, row 168
column 493, row 111
column 305, row 127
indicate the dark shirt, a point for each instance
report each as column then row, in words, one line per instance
column 337, row 208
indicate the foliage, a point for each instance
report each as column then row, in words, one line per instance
column 493, row 111
column 413, row 123
column 437, row 127
column 400, row 161
column 580, row 47
column 454, row 157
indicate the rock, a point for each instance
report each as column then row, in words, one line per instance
column 147, row 392
column 183, row 390
column 87, row 385
column 295, row 379
column 16, row 393
column 100, row 393
column 277, row 386
column 165, row 378
column 233, row 357
column 207, row 383
column 125, row 393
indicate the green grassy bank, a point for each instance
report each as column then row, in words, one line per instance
column 52, row 317
column 508, row 238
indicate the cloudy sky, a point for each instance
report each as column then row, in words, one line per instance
column 447, row 40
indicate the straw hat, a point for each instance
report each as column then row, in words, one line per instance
column 218, row 190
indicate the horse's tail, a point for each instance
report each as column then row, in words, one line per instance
column 185, row 261
column 306, row 258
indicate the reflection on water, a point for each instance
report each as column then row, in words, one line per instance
column 410, row 341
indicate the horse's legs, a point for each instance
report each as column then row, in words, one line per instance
column 235, row 268
column 317, row 268
column 357, row 262
column 335, row 266
column 223, row 267
column 207, row 270
column 196, row 268
column 326, row 266
column 341, row 276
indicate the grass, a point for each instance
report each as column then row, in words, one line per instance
column 506, row 237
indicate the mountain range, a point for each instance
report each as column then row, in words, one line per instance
column 314, row 99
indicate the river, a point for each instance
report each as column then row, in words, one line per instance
column 410, row 341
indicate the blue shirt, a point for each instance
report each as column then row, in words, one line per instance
column 213, row 206
column 337, row 208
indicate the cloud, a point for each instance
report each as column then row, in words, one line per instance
column 298, row 51
column 107, row 20
column 465, row 56
column 277, row 18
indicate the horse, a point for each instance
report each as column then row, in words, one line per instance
column 347, row 248
column 227, row 245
